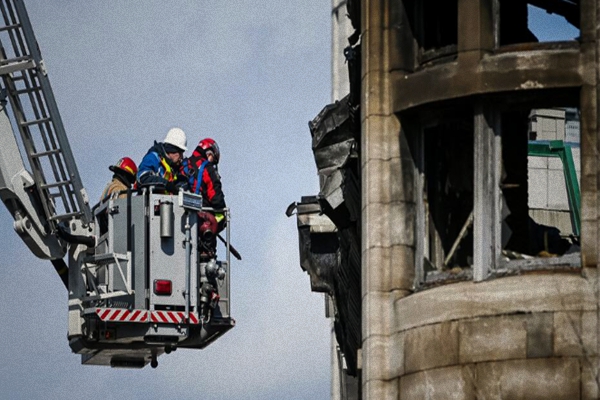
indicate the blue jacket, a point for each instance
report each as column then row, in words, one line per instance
column 156, row 168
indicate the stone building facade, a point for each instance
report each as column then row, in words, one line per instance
column 463, row 293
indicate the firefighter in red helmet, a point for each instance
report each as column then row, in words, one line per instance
column 204, row 179
column 124, row 173
column 211, row 150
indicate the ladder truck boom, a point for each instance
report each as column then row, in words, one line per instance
column 143, row 278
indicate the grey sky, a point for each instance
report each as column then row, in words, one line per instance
column 249, row 74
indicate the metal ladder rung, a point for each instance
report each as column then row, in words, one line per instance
column 45, row 153
column 55, row 184
column 35, row 122
column 9, row 27
column 8, row 61
column 27, row 91
column 18, row 66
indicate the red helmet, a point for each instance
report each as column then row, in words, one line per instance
column 126, row 165
column 209, row 145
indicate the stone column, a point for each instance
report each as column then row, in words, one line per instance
column 590, row 93
column 388, row 212
column 590, row 150
column 590, row 146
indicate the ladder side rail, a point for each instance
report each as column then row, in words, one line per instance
column 61, row 136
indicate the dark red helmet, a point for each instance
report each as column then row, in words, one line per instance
column 210, row 146
column 125, row 164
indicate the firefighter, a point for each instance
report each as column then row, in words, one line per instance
column 124, row 172
column 203, row 178
column 162, row 164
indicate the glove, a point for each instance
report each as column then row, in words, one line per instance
column 221, row 221
column 183, row 185
column 172, row 187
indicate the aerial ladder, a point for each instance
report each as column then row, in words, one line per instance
column 139, row 279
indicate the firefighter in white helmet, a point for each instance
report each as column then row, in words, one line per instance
column 162, row 164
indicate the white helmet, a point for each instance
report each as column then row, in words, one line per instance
column 176, row 137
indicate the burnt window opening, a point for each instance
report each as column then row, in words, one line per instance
column 498, row 193
column 536, row 21
column 445, row 190
column 529, row 214
column 434, row 24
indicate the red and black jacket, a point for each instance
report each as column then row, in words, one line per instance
column 199, row 170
